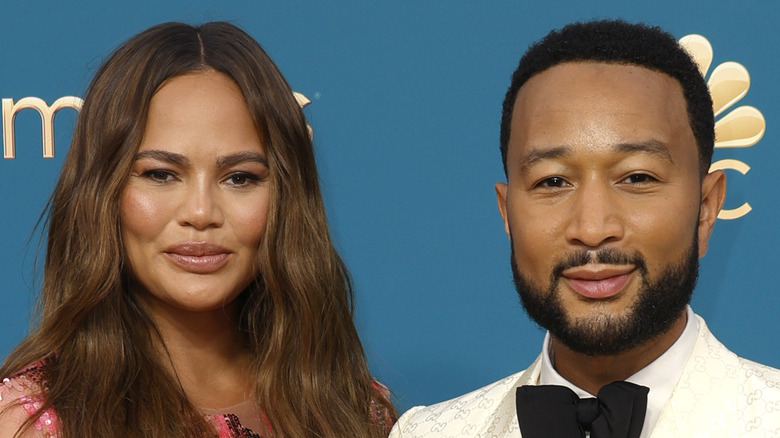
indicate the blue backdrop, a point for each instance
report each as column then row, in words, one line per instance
column 405, row 109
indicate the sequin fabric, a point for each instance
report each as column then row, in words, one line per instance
column 228, row 426
column 26, row 389
column 380, row 414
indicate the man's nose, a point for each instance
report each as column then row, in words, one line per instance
column 594, row 216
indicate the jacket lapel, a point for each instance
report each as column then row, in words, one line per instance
column 503, row 422
column 705, row 398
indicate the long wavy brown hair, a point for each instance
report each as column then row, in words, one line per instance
column 105, row 376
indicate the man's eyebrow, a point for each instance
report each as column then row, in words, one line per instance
column 163, row 156
column 241, row 157
column 536, row 155
column 654, row 147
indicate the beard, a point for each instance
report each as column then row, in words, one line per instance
column 658, row 304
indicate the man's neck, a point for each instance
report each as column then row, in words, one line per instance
column 592, row 372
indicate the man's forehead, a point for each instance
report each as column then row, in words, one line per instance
column 600, row 90
column 574, row 72
column 588, row 103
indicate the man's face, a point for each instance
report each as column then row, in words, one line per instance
column 604, row 205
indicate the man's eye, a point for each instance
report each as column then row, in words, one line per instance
column 639, row 178
column 554, row 181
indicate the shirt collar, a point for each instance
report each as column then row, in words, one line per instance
column 660, row 376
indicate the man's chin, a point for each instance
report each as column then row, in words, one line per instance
column 578, row 309
column 637, row 315
column 605, row 327
column 599, row 332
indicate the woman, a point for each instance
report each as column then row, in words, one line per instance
column 190, row 285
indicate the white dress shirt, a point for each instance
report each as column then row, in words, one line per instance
column 660, row 376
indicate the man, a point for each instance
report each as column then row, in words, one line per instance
column 607, row 135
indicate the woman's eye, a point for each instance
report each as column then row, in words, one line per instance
column 158, row 175
column 242, row 179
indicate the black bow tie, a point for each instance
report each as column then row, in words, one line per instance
column 550, row 411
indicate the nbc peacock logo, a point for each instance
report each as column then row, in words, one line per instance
column 739, row 127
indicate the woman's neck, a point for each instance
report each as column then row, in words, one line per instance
column 206, row 351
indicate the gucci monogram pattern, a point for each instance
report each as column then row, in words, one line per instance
column 718, row 395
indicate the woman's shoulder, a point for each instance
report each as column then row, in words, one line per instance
column 381, row 408
column 22, row 395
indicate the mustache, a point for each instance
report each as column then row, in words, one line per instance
column 607, row 256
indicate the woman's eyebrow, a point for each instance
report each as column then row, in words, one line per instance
column 156, row 154
column 182, row 160
column 240, row 157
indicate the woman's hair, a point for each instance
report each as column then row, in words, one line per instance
column 105, row 375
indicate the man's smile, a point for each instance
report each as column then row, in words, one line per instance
column 598, row 281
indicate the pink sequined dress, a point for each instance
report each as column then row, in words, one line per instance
column 25, row 389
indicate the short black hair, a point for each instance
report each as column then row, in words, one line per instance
column 619, row 42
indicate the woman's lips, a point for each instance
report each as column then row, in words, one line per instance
column 198, row 257
column 598, row 282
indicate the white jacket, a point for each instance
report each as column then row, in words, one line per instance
column 719, row 395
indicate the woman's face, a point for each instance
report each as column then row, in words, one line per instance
column 194, row 208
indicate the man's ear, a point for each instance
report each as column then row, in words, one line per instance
column 713, row 192
column 501, row 199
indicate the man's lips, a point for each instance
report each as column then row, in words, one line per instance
column 598, row 281
column 198, row 257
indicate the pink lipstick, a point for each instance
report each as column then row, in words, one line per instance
column 198, row 257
